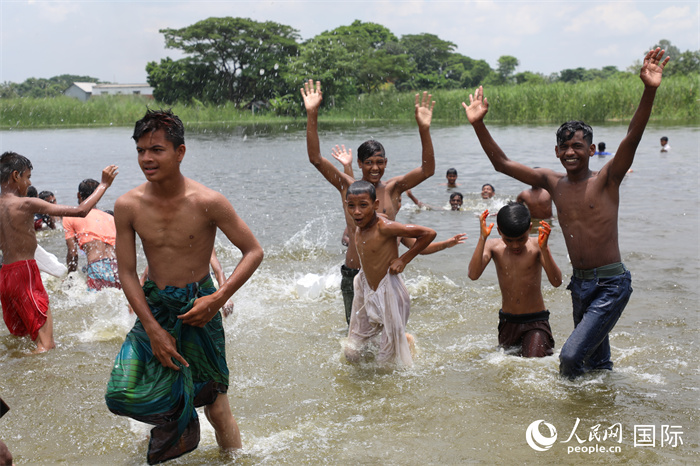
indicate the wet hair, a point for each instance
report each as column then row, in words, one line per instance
column 45, row 195
column 362, row 187
column 161, row 119
column 31, row 192
column 601, row 147
column 568, row 130
column 489, row 184
column 87, row 187
column 451, row 171
column 513, row 219
column 369, row 148
column 664, row 138
column 11, row 162
column 456, row 194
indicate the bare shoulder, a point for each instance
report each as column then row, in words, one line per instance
column 131, row 196
column 205, row 195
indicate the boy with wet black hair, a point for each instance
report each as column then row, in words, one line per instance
column 587, row 206
column 25, row 303
column 519, row 258
column 381, row 304
column 451, row 177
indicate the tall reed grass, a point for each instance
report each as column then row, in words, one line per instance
column 678, row 100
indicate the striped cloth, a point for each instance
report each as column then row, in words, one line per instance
column 140, row 387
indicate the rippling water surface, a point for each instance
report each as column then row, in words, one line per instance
column 295, row 399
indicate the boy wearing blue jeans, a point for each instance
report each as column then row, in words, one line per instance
column 587, row 204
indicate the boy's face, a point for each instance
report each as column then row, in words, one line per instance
column 456, row 203
column 158, row 159
column 373, row 168
column 664, row 141
column 515, row 245
column 575, row 153
column 23, row 181
column 361, row 208
column 451, row 179
column 487, row 192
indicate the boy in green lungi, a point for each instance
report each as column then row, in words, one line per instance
column 174, row 360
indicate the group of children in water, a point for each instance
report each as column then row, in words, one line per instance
column 173, row 360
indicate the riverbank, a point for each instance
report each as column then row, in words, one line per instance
column 593, row 101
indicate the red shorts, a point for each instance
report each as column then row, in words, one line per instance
column 23, row 297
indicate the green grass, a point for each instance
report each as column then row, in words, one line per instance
column 678, row 99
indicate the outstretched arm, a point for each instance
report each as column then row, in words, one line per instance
column 312, row 101
column 550, row 267
column 476, row 111
column 650, row 74
column 436, row 246
column 424, row 114
column 482, row 254
column 58, row 210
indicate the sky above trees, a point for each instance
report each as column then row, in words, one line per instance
column 114, row 40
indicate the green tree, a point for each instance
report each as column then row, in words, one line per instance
column 244, row 57
column 506, row 68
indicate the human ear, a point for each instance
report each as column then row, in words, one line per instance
column 376, row 204
column 180, row 152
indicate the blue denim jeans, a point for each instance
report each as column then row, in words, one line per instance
column 598, row 304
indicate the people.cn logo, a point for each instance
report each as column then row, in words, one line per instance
column 536, row 440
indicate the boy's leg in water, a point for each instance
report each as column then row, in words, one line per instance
column 219, row 415
column 536, row 344
column 44, row 340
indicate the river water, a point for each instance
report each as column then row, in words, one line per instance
column 295, row 399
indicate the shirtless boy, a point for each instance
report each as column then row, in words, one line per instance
column 381, row 305
column 587, row 206
column 25, row 303
column 95, row 234
column 538, row 201
column 372, row 162
column 519, row 258
column 174, row 359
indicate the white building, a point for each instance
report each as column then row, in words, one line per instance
column 84, row 91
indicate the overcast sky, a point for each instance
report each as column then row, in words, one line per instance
column 113, row 40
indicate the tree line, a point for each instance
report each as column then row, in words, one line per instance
column 262, row 64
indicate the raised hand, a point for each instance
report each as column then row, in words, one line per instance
column 543, row 235
column 653, row 67
column 478, row 106
column 424, row 110
column 485, row 230
column 312, row 97
column 341, row 155
column 109, row 173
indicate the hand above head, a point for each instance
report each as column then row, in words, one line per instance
column 312, row 97
column 653, row 67
column 478, row 106
column 109, row 173
column 424, row 110
column 543, row 235
column 485, row 230
column 341, row 155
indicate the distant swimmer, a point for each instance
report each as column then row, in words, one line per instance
column 451, row 177
column 665, row 146
column 487, row 191
column 519, row 258
column 587, row 207
column 25, row 303
column 381, row 304
column 601, row 150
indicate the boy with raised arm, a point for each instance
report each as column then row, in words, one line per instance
column 372, row 162
column 381, row 305
column 587, row 205
column 174, row 358
column 519, row 258
column 25, row 303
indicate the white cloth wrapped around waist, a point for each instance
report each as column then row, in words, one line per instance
column 380, row 314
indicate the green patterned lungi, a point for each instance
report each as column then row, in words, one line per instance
column 142, row 388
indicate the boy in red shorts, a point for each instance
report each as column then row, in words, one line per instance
column 25, row 303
